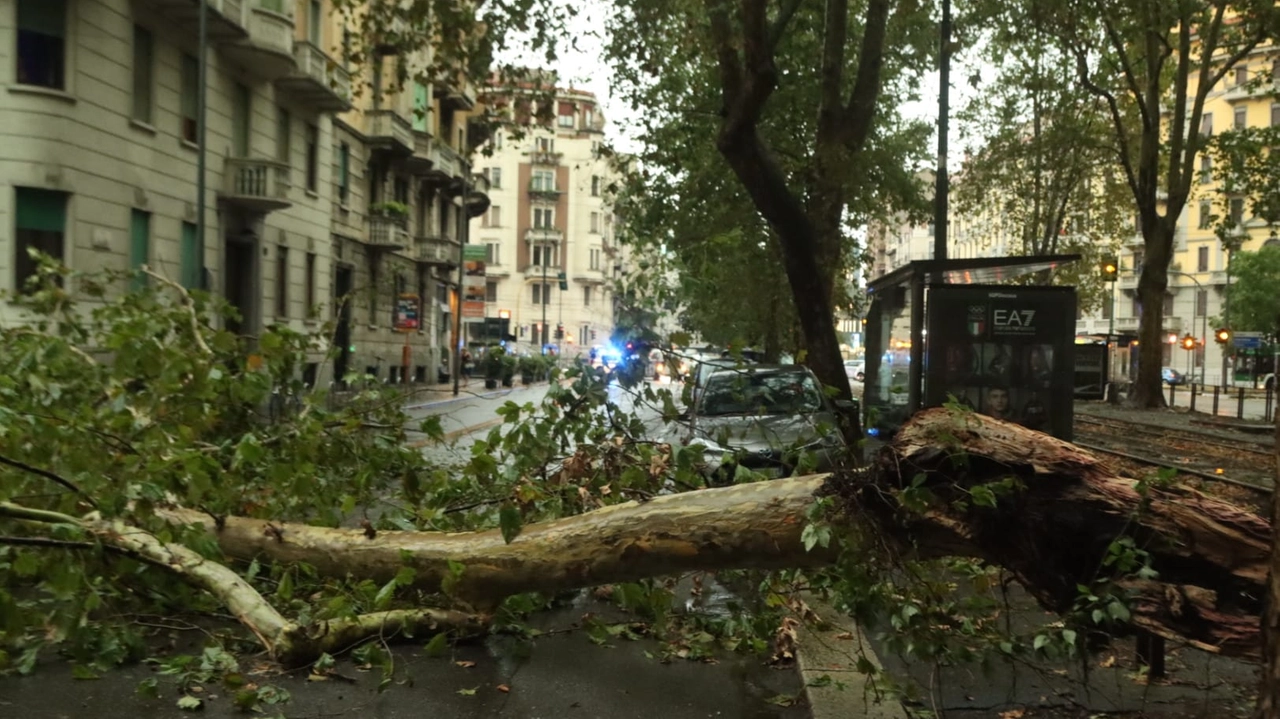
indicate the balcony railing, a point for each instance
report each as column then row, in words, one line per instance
column 387, row 232
column 437, row 250
column 543, row 234
column 255, row 184
column 387, row 130
column 268, row 51
column 545, row 157
column 543, row 191
column 225, row 18
column 318, row 80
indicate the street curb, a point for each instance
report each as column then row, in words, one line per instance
column 833, row 651
column 460, row 432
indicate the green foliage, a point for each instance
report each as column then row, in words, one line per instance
column 1255, row 304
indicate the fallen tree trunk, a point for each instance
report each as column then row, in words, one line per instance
column 1052, row 532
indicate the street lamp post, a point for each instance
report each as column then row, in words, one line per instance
column 1204, row 321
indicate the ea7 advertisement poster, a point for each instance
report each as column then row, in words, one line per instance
column 1006, row 352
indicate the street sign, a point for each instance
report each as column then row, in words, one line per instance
column 1246, row 342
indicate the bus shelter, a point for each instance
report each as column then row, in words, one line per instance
column 942, row 331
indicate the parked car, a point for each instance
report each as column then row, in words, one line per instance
column 703, row 371
column 1171, row 376
column 769, row 419
column 855, row 369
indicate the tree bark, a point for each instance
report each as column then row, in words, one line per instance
column 1211, row 556
column 1148, row 386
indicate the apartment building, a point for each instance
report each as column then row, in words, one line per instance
column 550, row 215
column 403, row 193
column 306, row 194
column 101, row 124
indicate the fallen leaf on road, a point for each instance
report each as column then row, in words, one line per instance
column 468, row 692
column 844, row 635
column 1108, row 662
column 1013, row 714
column 504, row 688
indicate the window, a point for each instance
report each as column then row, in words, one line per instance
column 546, row 144
column 1238, row 120
column 595, row 221
column 240, row 114
column 1275, row 70
column 492, row 218
column 40, row 223
column 139, row 245
column 344, row 173
column 589, row 117
column 497, row 140
column 282, row 281
column 491, row 291
column 143, row 49
column 566, row 121
column 190, row 257
column 309, row 289
column 421, row 106
column 493, row 255
column 1275, row 114
column 190, row 97
column 284, row 125
column 543, row 255
column 313, row 153
column 1202, row 259
column 1202, row 303
column 313, row 23
column 42, row 40
column 1237, row 211
column 1242, row 75
column 1206, row 124
column 542, row 294
column 595, row 185
column 1206, row 215
column 495, row 177
column 543, row 218
column 1135, row 309
column 543, row 181
column 1206, row 169
column 595, row 258
column 586, row 296
column 1106, row 310
column 402, row 190
column 1168, row 305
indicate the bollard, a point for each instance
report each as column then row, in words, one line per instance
column 1266, row 409
column 1240, row 404
column 1173, row 388
column 1216, row 390
column 1150, row 654
column 1193, row 397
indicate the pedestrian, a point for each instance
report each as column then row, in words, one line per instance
column 466, row 367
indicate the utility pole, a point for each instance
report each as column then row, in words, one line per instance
column 542, row 339
column 464, row 233
column 942, row 184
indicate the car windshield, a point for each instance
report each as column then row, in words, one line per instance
column 731, row 392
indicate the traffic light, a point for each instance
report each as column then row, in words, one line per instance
column 559, row 332
column 593, row 335
column 1222, row 335
column 1110, row 268
column 1188, row 342
column 564, row 281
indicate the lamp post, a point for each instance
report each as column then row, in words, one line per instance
column 1204, row 320
column 202, row 43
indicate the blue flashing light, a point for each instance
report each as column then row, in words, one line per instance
column 873, row 432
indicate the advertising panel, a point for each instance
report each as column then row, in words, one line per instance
column 407, row 317
column 473, row 281
column 1007, row 352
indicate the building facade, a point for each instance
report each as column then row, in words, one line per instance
column 102, row 125
column 550, row 217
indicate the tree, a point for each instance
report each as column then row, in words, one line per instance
column 1255, row 304
column 1153, row 63
column 760, row 57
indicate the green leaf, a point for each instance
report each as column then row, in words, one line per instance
column 468, row 692
column 149, row 688
column 1069, row 636
column 510, row 521
column 190, row 704
column 983, row 496
column 80, row 671
column 437, row 647
column 383, row 599
column 1040, row 641
column 1118, row 611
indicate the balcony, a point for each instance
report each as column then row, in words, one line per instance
column 543, row 191
column 1249, row 90
column 545, row 157
column 590, row 277
column 225, row 18
column 436, row 250
column 387, row 232
column 457, row 94
column 319, row 81
column 255, row 185
column 389, row 132
column 1128, row 282
column 535, row 272
column 446, row 165
column 268, row 51
column 543, row 234
column 419, row 163
column 1218, row 277
column 1126, row 324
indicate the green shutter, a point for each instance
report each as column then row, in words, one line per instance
column 139, row 244
column 191, row 261
column 419, row 107
column 41, row 210
column 47, row 17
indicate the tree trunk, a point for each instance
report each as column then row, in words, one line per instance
column 1148, row 386
column 1269, row 691
column 1211, row 556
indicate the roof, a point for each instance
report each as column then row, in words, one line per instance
column 971, row 271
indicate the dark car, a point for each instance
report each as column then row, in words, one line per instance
column 1171, row 376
